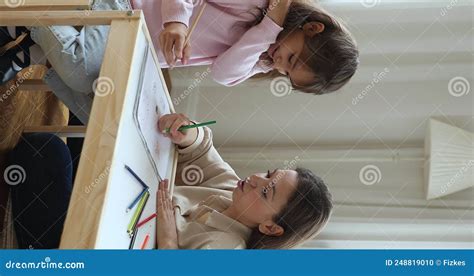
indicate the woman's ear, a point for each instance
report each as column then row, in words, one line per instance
column 312, row 28
column 270, row 228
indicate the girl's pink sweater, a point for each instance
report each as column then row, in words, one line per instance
column 220, row 38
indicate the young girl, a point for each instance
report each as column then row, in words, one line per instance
column 239, row 39
column 278, row 209
column 243, row 38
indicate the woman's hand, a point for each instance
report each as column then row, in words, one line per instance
column 166, row 234
column 172, row 40
column 173, row 122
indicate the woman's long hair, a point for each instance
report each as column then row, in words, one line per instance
column 304, row 216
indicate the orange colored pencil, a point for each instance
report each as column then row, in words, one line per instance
column 145, row 241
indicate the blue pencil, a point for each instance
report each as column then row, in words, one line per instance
column 136, row 177
column 137, row 199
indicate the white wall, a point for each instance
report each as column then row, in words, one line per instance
column 421, row 46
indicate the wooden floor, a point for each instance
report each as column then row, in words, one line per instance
column 24, row 108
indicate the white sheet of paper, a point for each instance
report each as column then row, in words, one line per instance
column 136, row 146
column 152, row 104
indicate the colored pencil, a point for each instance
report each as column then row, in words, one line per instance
column 138, row 212
column 145, row 241
column 146, row 220
column 191, row 126
column 134, row 236
column 135, row 201
column 136, row 176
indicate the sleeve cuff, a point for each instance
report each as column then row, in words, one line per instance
column 176, row 13
column 176, row 19
column 270, row 28
column 195, row 144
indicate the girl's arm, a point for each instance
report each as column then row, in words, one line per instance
column 176, row 11
column 240, row 61
column 175, row 15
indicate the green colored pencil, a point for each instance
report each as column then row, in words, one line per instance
column 167, row 130
column 138, row 212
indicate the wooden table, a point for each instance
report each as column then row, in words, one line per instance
column 110, row 136
column 43, row 5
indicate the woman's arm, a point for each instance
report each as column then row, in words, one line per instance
column 240, row 61
column 197, row 156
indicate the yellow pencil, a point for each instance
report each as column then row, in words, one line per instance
column 138, row 213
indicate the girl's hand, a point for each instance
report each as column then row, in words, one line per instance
column 173, row 122
column 172, row 40
column 166, row 234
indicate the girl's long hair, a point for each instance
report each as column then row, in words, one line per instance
column 332, row 55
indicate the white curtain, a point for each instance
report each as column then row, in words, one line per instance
column 421, row 46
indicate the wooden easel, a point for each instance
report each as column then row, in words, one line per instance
column 44, row 5
column 108, row 112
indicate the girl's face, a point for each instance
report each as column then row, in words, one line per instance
column 263, row 195
column 289, row 55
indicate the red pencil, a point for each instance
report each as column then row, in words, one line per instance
column 145, row 241
column 146, row 220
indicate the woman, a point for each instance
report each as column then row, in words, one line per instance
column 278, row 209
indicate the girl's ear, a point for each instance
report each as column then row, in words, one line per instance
column 270, row 228
column 312, row 28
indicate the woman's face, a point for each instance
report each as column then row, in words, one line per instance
column 263, row 195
